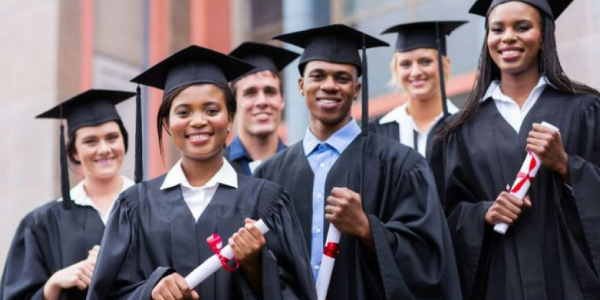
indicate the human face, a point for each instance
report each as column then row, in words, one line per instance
column 419, row 74
column 260, row 103
column 199, row 121
column 329, row 89
column 515, row 37
column 100, row 150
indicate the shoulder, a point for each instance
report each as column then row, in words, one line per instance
column 391, row 152
column 281, row 160
column 130, row 198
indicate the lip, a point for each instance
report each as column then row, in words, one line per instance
column 328, row 103
column 262, row 116
column 418, row 83
column 198, row 138
column 511, row 54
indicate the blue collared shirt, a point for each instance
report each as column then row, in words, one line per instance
column 238, row 154
column 321, row 156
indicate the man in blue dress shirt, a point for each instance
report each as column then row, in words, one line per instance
column 260, row 103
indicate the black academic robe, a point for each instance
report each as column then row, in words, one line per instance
column 391, row 130
column 152, row 233
column 49, row 239
column 553, row 250
column 413, row 256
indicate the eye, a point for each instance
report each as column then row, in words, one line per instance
column 89, row 142
column 344, row 78
column 213, row 111
column 112, row 137
column 496, row 29
column 405, row 64
column 182, row 112
column 523, row 28
column 316, row 76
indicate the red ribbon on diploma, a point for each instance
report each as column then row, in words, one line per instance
column 524, row 177
column 215, row 242
column 331, row 249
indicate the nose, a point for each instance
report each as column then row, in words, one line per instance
column 415, row 70
column 261, row 100
column 103, row 147
column 330, row 85
column 197, row 120
column 508, row 37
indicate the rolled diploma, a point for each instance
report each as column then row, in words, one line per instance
column 520, row 193
column 327, row 262
column 211, row 265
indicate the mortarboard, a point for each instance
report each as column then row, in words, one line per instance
column 552, row 8
column 264, row 57
column 89, row 108
column 336, row 43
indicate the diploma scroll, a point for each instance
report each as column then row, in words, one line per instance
column 527, row 173
column 329, row 252
column 211, row 265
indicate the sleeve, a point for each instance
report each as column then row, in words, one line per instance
column 584, row 176
column 286, row 270
column 25, row 272
column 413, row 247
column 465, row 213
column 116, row 275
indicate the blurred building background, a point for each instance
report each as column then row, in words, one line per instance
column 53, row 49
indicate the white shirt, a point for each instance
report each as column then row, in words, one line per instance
column 508, row 108
column 81, row 198
column 408, row 129
column 198, row 198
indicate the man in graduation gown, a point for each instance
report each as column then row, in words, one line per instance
column 378, row 193
column 259, row 96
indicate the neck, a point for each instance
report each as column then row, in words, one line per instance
column 424, row 112
column 519, row 86
column 199, row 172
column 323, row 131
column 103, row 191
column 259, row 147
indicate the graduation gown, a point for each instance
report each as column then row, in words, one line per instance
column 413, row 256
column 152, row 234
column 553, row 250
column 47, row 240
column 239, row 158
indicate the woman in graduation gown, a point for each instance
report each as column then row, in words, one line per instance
column 416, row 69
column 53, row 252
column 159, row 228
column 552, row 249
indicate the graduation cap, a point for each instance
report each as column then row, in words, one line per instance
column 552, row 8
column 264, row 57
column 90, row 108
column 193, row 65
column 336, row 43
column 430, row 34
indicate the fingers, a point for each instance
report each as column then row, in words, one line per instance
column 527, row 201
column 172, row 287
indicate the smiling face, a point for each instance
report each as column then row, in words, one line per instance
column 515, row 37
column 100, row 150
column 199, row 121
column 329, row 89
column 418, row 73
column 260, row 102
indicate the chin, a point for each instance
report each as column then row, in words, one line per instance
column 263, row 130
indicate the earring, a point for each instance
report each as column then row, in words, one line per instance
column 228, row 128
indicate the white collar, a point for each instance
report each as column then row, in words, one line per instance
column 226, row 175
column 400, row 113
column 495, row 92
column 80, row 197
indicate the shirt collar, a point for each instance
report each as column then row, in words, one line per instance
column 80, row 197
column 494, row 91
column 226, row 175
column 399, row 113
column 339, row 140
column 237, row 150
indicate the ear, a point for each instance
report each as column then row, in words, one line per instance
column 357, row 89
column 75, row 156
column 301, row 85
column 282, row 102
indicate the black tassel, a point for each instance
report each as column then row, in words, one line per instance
column 441, row 69
column 365, row 91
column 139, row 165
column 65, row 188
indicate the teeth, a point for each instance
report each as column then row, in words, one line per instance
column 105, row 160
column 197, row 137
column 328, row 101
column 510, row 52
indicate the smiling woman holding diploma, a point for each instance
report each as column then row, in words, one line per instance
column 159, row 228
column 552, row 249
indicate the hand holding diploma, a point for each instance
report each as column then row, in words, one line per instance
column 508, row 207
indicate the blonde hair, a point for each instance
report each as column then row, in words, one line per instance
column 395, row 81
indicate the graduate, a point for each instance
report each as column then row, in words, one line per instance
column 259, row 97
column 53, row 252
column 416, row 69
column 378, row 193
column 552, row 249
column 159, row 228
